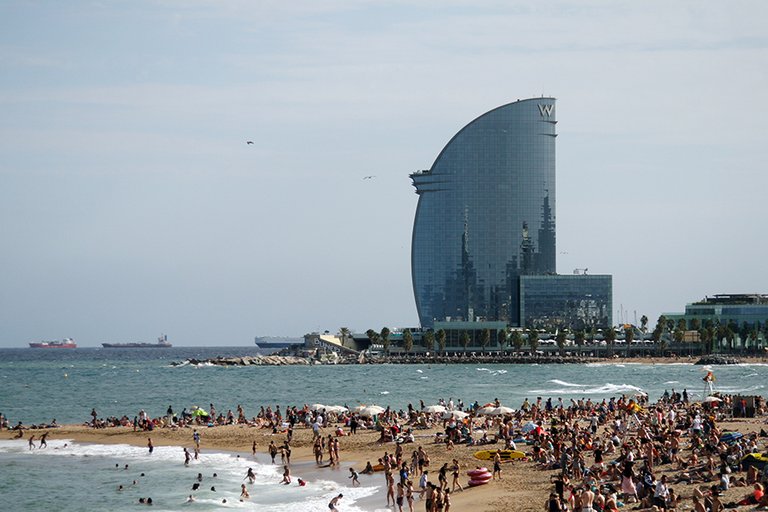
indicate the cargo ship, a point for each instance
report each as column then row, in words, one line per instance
column 65, row 343
column 277, row 342
column 162, row 342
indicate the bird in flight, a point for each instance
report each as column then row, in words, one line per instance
column 249, row 142
column 368, row 177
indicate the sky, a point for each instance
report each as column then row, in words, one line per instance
column 131, row 205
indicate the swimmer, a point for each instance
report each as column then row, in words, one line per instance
column 250, row 475
column 213, row 488
column 43, row 443
column 301, row 482
column 190, row 499
column 195, row 486
column 334, row 502
column 244, row 495
column 199, row 477
column 354, row 476
column 32, row 442
column 150, row 446
column 119, row 487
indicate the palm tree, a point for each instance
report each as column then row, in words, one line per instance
column 560, row 340
column 579, row 337
column 465, row 340
column 441, row 336
column 373, row 336
column 502, row 336
column 533, row 339
column 644, row 324
column 407, row 341
column 678, row 335
column 517, row 340
column 385, row 332
column 485, row 339
column 428, row 341
column 610, row 337
column 629, row 337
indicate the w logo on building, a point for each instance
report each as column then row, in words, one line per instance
column 546, row 110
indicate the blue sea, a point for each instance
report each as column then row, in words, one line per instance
column 37, row 386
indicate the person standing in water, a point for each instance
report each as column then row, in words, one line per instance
column 334, row 502
column 150, row 446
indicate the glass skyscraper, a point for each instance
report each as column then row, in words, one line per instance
column 486, row 216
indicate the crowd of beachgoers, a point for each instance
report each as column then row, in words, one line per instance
column 598, row 455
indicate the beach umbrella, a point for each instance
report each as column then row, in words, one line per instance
column 359, row 408
column 485, row 410
column 457, row 415
column 711, row 399
column 528, row 427
column 317, row 407
column 336, row 409
column 371, row 410
column 199, row 412
column 501, row 411
column 433, row 409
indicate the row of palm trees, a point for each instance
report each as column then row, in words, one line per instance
column 666, row 331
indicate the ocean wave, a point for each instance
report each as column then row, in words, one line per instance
column 492, row 372
column 672, row 382
column 579, row 389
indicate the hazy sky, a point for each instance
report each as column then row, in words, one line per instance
column 131, row 205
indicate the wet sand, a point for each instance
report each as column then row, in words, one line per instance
column 523, row 487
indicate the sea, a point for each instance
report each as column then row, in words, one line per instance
column 40, row 385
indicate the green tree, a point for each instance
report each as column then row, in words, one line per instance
column 682, row 325
column 464, row 340
column 441, row 336
column 560, row 339
column 517, row 340
column 373, row 336
column 407, row 341
column 704, row 336
column 485, row 339
column 579, row 337
column 610, row 338
column 502, row 336
column 694, row 324
column 679, row 335
column 385, row 332
column 428, row 340
column 533, row 339
column 345, row 333
column 629, row 337
column 644, row 324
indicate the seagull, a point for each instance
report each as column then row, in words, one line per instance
column 368, row 177
column 249, row 142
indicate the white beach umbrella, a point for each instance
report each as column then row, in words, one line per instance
column 458, row 415
column 501, row 411
column 487, row 410
column 317, row 407
column 711, row 399
column 336, row 409
column 371, row 410
column 430, row 409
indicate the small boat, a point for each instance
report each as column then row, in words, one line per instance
column 65, row 343
column 162, row 342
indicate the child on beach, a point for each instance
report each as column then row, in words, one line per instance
column 354, row 476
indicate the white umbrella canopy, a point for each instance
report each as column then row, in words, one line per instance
column 485, row 410
column 337, row 409
column 711, row 399
column 501, row 411
column 371, row 410
column 433, row 409
column 317, row 407
column 458, row 415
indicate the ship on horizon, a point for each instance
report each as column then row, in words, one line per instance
column 65, row 343
column 162, row 342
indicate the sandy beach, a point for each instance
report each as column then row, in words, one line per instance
column 523, row 486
